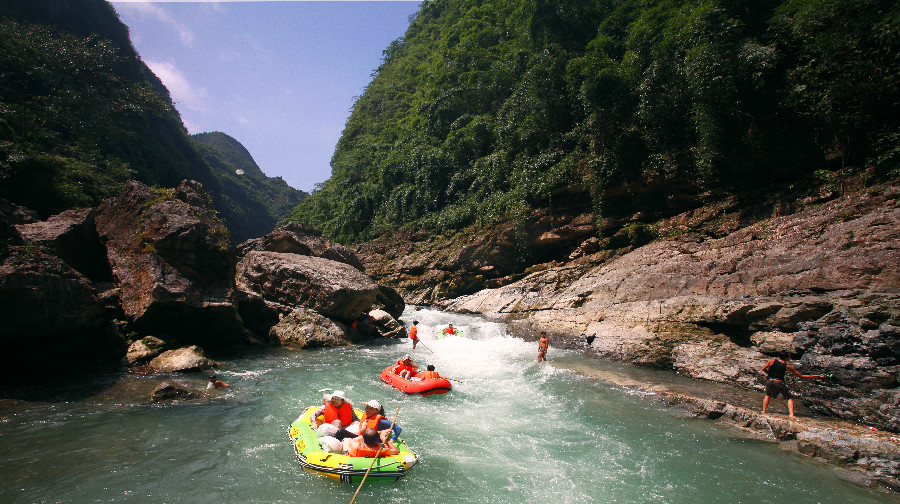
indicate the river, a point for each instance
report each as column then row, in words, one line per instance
column 511, row 431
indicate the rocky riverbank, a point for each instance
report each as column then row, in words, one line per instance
column 151, row 274
column 859, row 454
column 721, row 290
column 820, row 284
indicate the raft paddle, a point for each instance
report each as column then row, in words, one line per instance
column 423, row 344
column 451, row 379
column 374, row 459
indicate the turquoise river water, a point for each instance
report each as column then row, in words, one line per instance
column 511, row 431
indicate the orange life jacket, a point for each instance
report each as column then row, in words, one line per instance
column 344, row 414
column 361, row 449
column 427, row 375
column 413, row 332
column 448, row 330
column 401, row 366
column 367, row 422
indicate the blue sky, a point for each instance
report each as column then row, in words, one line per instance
column 279, row 76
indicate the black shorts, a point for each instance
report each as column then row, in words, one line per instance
column 775, row 387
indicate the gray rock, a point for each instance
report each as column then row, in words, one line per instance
column 172, row 391
column 184, row 359
column 294, row 238
column 143, row 350
column 386, row 325
column 333, row 289
column 43, row 298
column 173, row 263
column 72, row 236
column 305, row 328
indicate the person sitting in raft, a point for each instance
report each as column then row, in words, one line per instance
column 374, row 418
column 337, row 411
column 214, row 383
column 405, row 367
column 369, row 444
column 427, row 375
column 449, row 330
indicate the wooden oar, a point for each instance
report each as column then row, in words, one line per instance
column 451, row 379
column 376, row 457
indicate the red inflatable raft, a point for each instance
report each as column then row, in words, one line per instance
column 422, row 387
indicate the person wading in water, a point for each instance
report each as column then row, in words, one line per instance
column 414, row 333
column 543, row 345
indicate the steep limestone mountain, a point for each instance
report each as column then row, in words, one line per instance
column 253, row 203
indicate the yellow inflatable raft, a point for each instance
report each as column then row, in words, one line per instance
column 340, row 467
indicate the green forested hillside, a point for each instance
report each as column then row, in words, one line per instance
column 80, row 114
column 490, row 109
column 253, row 203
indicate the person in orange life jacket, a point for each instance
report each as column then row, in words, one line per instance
column 427, row 375
column 449, row 330
column 374, row 417
column 337, row 411
column 405, row 367
column 368, row 444
column 543, row 345
column 775, row 370
column 214, row 384
column 414, row 333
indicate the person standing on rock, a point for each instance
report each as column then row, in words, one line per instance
column 543, row 345
column 414, row 333
column 775, row 370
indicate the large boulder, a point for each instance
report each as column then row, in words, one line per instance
column 184, row 359
column 389, row 300
column 13, row 214
column 386, row 325
column 72, row 236
column 294, row 238
column 173, row 262
column 42, row 298
column 305, row 328
column 334, row 289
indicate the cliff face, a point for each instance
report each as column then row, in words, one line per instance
column 822, row 284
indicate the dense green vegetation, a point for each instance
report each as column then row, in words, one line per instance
column 80, row 114
column 253, row 203
column 77, row 119
column 487, row 109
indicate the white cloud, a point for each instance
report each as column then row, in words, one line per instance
column 183, row 93
column 146, row 9
column 191, row 127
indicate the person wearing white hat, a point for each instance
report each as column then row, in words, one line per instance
column 374, row 418
column 405, row 368
column 337, row 410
